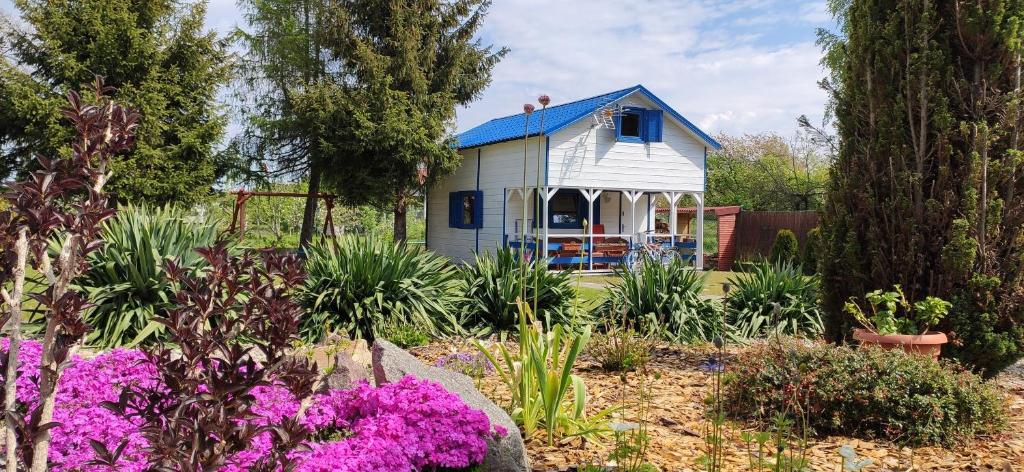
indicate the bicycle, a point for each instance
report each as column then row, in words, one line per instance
column 645, row 251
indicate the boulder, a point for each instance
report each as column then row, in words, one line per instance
column 346, row 372
column 507, row 454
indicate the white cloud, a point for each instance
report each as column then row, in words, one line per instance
column 690, row 53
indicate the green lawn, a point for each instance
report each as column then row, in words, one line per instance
column 712, row 286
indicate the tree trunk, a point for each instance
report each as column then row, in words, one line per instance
column 309, row 213
column 401, row 208
column 10, row 389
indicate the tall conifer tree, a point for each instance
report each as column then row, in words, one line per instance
column 926, row 190
column 162, row 62
column 411, row 64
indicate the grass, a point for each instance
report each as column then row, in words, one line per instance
column 712, row 286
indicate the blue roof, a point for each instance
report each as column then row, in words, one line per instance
column 559, row 116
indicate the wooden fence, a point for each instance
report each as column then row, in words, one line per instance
column 755, row 230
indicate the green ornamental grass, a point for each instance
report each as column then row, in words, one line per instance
column 126, row 280
column 357, row 285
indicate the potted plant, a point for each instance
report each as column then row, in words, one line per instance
column 894, row 322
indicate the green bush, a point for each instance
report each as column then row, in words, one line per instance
column 867, row 393
column 811, row 251
column 774, row 298
column 664, row 300
column 785, row 248
column 403, row 335
column 494, row 282
column 620, row 349
column 126, row 280
column 357, row 284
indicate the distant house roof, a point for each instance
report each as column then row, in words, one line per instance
column 559, row 116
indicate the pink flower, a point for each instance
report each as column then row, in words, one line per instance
column 544, row 100
column 528, row 108
column 408, row 425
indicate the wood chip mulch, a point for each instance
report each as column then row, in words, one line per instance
column 676, row 422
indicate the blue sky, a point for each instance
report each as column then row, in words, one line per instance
column 738, row 66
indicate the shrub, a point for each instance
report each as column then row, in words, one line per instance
column 403, row 335
column 355, row 284
column 868, row 393
column 620, row 349
column 664, row 300
column 774, row 298
column 811, row 252
column 785, row 248
column 126, row 279
column 494, row 282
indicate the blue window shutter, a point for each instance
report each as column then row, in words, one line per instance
column 478, row 209
column 617, row 120
column 453, row 209
column 652, row 125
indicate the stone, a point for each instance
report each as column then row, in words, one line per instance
column 346, row 372
column 361, row 352
column 505, row 454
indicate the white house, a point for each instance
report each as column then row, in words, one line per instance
column 614, row 156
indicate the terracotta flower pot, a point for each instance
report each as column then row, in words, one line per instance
column 928, row 344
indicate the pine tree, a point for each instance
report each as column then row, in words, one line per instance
column 162, row 62
column 926, row 187
column 412, row 63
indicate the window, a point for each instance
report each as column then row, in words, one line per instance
column 468, row 206
column 465, row 209
column 637, row 125
column 567, row 210
column 630, row 125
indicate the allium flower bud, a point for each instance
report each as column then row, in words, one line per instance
column 719, row 342
column 528, row 108
column 544, row 100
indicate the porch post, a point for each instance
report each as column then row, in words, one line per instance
column 673, row 199
column 699, row 250
column 546, row 194
column 590, row 195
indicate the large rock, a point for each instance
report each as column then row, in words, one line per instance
column 346, row 372
column 508, row 454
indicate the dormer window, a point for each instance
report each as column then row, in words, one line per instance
column 630, row 124
column 638, row 125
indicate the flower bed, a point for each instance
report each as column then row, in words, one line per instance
column 408, row 425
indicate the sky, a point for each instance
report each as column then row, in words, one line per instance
column 734, row 66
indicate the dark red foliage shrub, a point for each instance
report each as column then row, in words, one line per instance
column 228, row 335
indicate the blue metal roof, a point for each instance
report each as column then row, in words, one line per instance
column 559, row 116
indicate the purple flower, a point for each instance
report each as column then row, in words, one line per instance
column 408, row 425
column 528, row 108
column 468, row 363
column 712, row 364
column 544, row 100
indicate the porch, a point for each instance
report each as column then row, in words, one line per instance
column 596, row 228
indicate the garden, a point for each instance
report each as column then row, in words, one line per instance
column 142, row 332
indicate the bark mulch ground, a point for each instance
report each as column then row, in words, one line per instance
column 676, row 421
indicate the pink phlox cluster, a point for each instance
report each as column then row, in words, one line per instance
column 407, row 425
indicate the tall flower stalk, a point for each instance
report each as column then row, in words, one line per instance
column 528, row 110
column 544, row 101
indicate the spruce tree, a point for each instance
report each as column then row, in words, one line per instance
column 411, row 64
column 925, row 191
column 162, row 62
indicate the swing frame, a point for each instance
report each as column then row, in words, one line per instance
column 243, row 196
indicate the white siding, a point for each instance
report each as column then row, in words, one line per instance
column 585, row 156
column 501, row 167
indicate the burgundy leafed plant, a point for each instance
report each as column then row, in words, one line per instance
column 62, row 201
column 228, row 335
